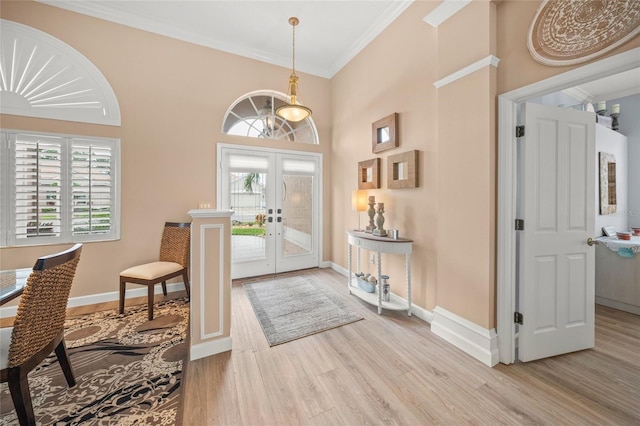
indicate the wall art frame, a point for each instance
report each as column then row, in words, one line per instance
column 384, row 133
column 402, row 170
column 608, row 200
column 369, row 174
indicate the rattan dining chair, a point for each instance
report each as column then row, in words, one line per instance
column 38, row 328
column 174, row 261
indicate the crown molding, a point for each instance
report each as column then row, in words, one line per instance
column 135, row 20
column 484, row 62
column 394, row 10
column 444, row 11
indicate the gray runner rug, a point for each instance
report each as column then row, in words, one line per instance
column 294, row 307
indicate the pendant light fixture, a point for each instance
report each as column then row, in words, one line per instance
column 293, row 111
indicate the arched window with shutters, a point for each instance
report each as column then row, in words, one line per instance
column 253, row 115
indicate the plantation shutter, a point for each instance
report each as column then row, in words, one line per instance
column 92, row 188
column 38, row 182
column 58, row 189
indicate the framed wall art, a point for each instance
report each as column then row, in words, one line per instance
column 369, row 174
column 384, row 133
column 608, row 199
column 402, row 170
column 568, row 32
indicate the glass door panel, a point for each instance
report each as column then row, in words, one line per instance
column 297, row 247
column 246, row 189
column 274, row 197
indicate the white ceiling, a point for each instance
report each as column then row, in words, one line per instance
column 616, row 86
column 330, row 33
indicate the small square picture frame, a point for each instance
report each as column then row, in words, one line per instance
column 402, row 170
column 369, row 174
column 384, row 133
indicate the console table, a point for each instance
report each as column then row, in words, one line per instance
column 380, row 245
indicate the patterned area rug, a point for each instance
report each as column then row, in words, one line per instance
column 128, row 370
column 295, row 307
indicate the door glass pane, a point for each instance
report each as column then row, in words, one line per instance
column 247, row 200
column 297, row 208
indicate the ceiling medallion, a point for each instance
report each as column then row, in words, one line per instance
column 567, row 32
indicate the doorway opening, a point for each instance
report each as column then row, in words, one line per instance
column 507, row 182
column 275, row 197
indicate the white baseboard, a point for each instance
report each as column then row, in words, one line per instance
column 326, row 264
column 93, row 299
column 422, row 313
column 621, row 306
column 480, row 343
column 206, row 349
column 339, row 269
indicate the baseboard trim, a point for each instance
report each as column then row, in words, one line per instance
column 480, row 343
column 202, row 350
column 94, row 299
column 618, row 305
column 422, row 313
column 339, row 269
column 325, row 264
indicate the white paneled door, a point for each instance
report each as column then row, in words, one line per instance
column 557, row 204
column 275, row 199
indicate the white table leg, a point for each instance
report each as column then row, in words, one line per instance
column 379, row 284
column 408, row 269
column 349, row 263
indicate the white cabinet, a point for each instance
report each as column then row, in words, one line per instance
column 617, row 277
column 362, row 240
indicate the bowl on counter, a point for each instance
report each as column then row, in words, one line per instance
column 624, row 236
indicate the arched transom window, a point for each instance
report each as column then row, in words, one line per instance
column 253, row 115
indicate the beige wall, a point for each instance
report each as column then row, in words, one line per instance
column 173, row 96
column 452, row 215
column 517, row 67
column 395, row 73
column 466, row 214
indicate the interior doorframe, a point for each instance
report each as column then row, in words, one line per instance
column 507, row 182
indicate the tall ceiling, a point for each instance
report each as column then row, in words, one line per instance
column 330, row 33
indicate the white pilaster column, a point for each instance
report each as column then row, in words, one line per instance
column 210, row 331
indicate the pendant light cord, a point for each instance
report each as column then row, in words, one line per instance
column 294, row 46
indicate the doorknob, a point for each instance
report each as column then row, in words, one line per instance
column 592, row 242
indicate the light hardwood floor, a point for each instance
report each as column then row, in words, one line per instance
column 390, row 369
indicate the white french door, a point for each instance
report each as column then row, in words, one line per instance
column 557, row 204
column 276, row 203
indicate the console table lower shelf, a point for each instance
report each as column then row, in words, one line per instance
column 395, row 303
column 364, row 241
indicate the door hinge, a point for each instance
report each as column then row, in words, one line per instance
column 519, row 131
column 518, row 318
column 519, row 224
